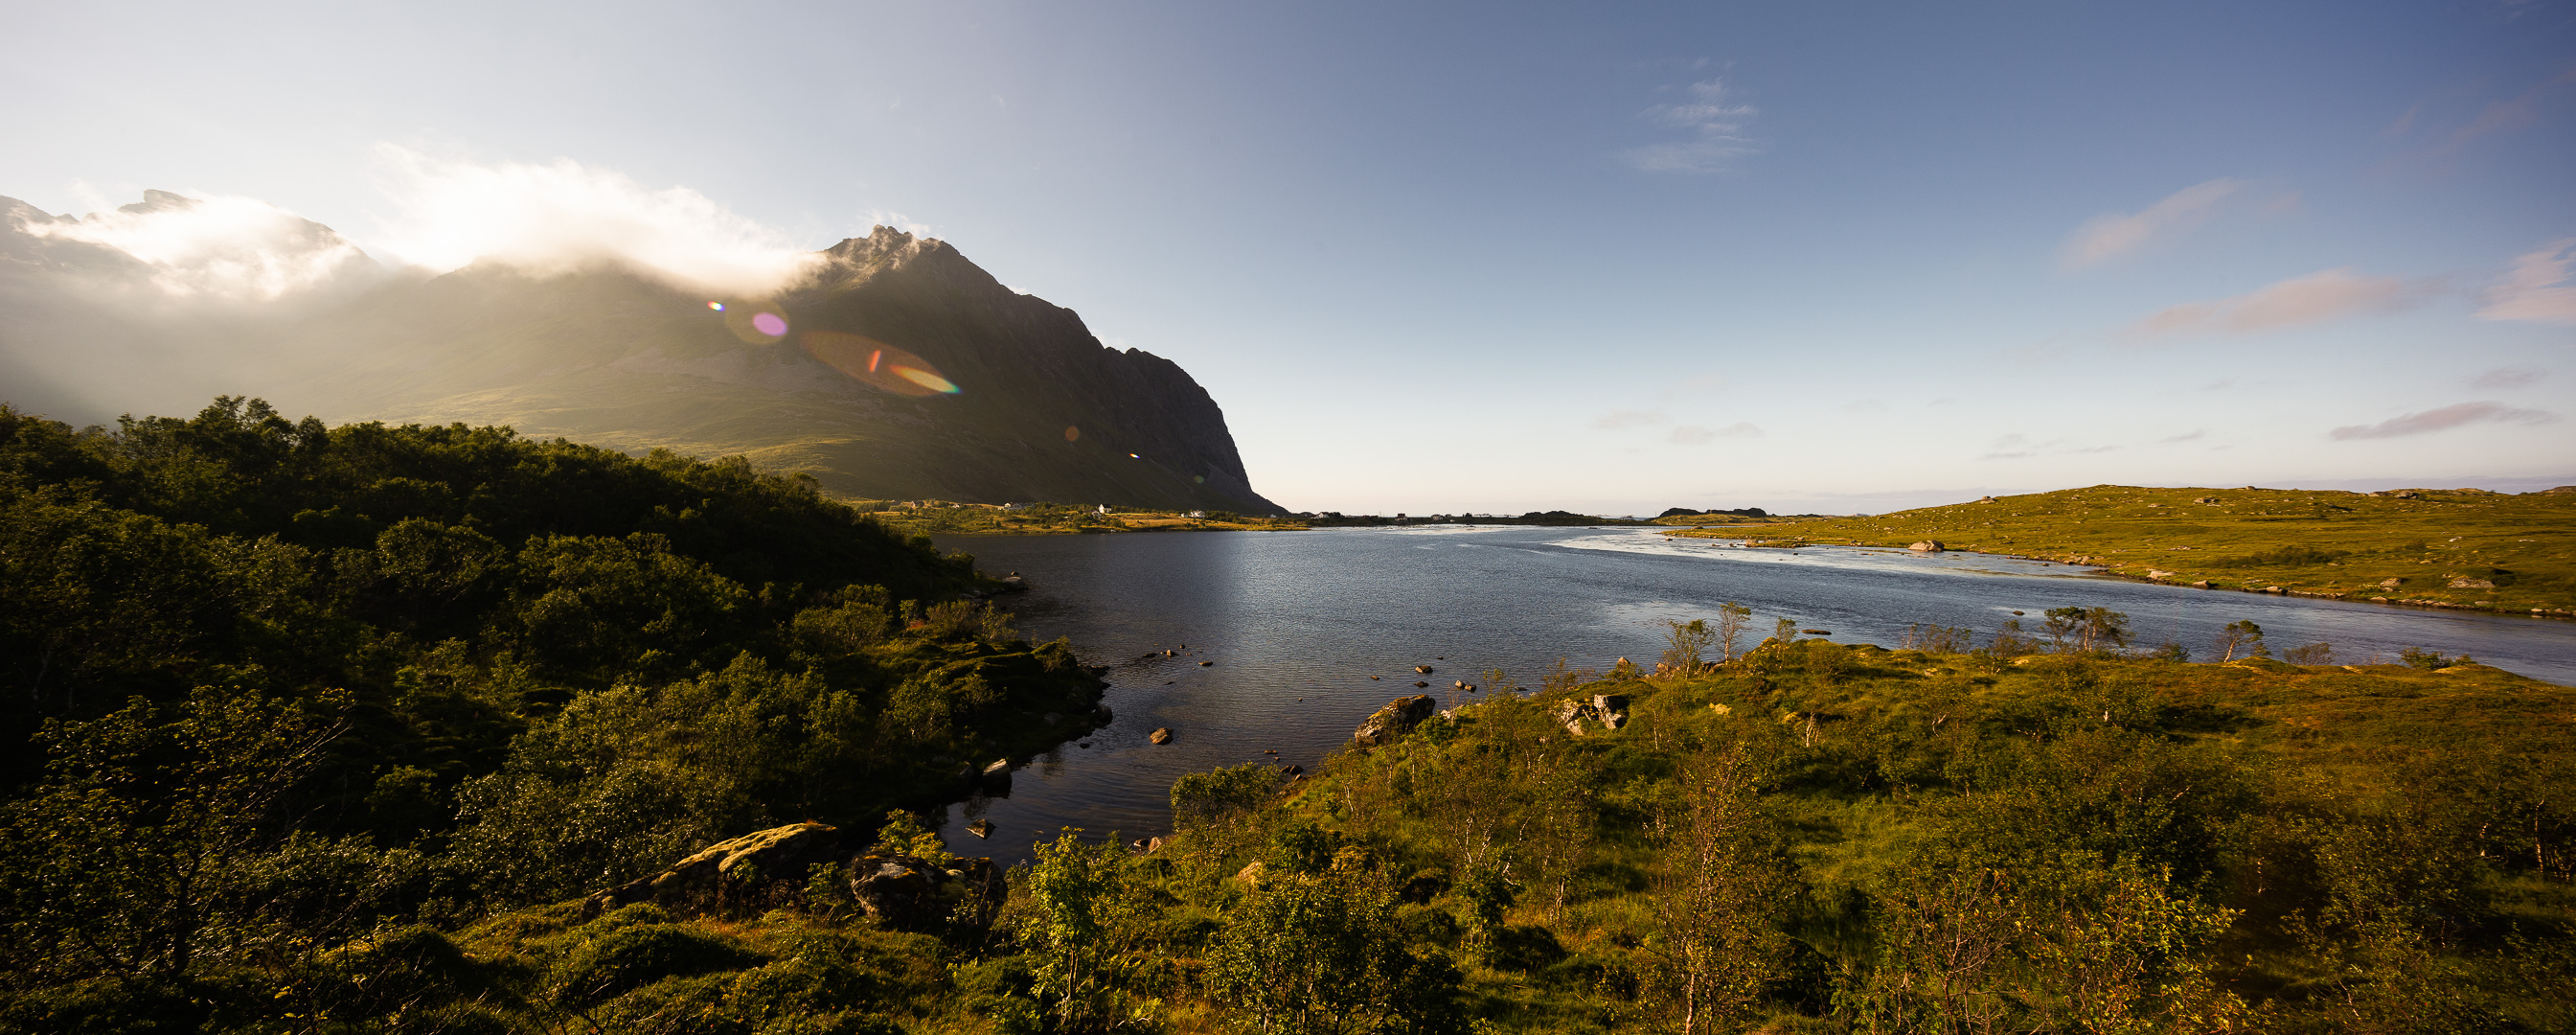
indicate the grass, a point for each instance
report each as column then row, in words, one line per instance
column 2464, row 548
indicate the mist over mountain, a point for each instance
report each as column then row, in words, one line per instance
column 887, row 367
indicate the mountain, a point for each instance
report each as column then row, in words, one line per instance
column 979, row 393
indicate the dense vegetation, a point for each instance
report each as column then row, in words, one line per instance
column 2439, row 547
column 333, row 730
column 270, row 686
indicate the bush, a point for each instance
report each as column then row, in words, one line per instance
column 1222, row 793
column 2279, row 557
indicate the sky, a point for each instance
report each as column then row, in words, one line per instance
column 1835, row 257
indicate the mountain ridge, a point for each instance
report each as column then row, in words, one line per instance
column 619, row 356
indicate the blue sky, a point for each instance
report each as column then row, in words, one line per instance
column 1616, row 257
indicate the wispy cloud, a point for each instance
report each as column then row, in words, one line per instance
column 1714, row 126
column 2540, row 288
column 1694, row 435
column 2517, row 112
column 2316, row 298
column 2194, row 435
column 2509, row 377
column 222, row 247
column 2113, row 234
column 562, row 216
column 2443, row 419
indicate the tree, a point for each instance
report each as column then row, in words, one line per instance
column 154, row 839
column 1685, row 645
column 1322, row 954
column 1080, row 917
column 2241, row 636
column 1732, row 617
column 2087, row 629
column 1723, row 881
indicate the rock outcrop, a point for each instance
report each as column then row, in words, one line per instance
column 778, row 852
column 1389, row 724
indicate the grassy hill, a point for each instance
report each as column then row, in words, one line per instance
column 2438, row 547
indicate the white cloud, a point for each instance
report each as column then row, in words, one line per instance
column 222, row 247
column 564, row 216
column 2112, row 234
column 1714, row 137
column 2538, row 290
column 2318, row 297
column 2442, row 419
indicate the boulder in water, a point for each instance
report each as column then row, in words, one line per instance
column 1161, row 736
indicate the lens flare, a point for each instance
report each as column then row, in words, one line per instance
column 876, row 364
column 1072, row 434
column 756, row 323
column 926, row 379
column 1133, row 456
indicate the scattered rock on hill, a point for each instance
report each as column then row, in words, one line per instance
column 910, row 893
column 1161, row 736
column 1386, row 725
column 1608, row 710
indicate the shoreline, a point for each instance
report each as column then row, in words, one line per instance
column 2095, row 563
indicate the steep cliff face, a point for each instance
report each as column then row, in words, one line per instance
column 1038, row 408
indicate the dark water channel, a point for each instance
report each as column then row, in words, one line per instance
column 1297, row 622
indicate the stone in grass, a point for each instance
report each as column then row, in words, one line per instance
column 1389, row 724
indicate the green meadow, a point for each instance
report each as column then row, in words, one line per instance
column 2448, row 547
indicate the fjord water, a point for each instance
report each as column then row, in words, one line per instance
column 1294, row 624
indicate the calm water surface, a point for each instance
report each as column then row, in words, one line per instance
column 1296, row 623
